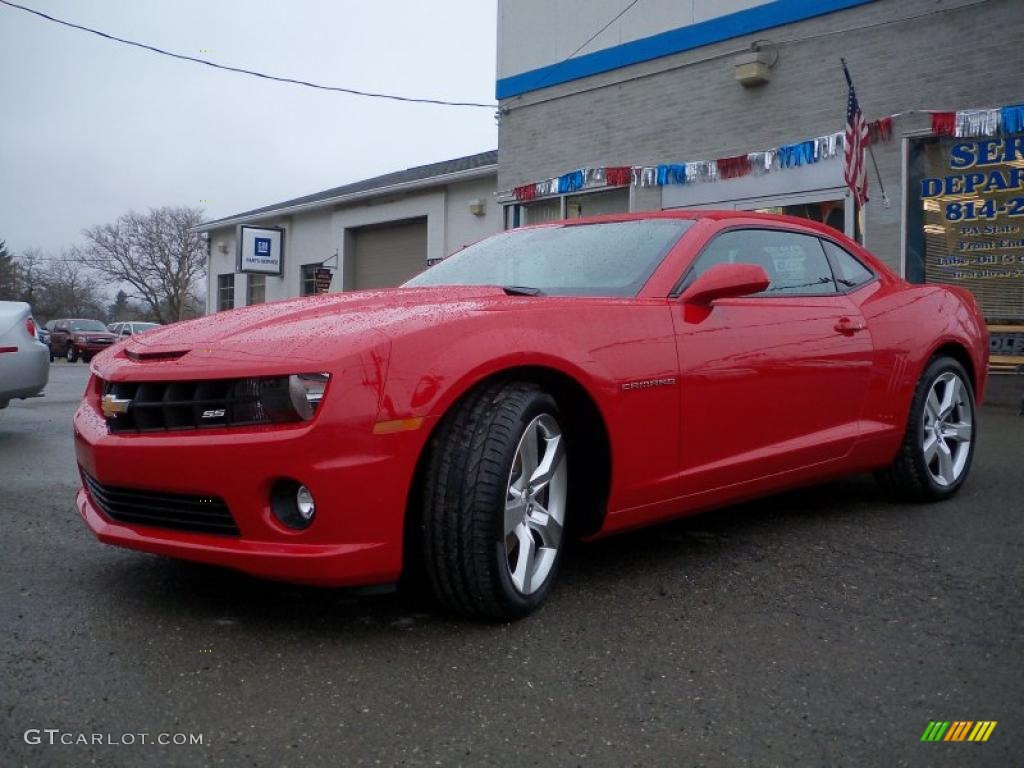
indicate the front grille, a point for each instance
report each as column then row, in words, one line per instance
column 200, row 514
column 177, row 405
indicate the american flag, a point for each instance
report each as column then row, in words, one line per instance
column 856, row 139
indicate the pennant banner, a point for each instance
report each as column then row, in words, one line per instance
column 962, row 123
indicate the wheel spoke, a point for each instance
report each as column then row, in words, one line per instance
column 528, row 453
column 515, row 511
column 945, row 463
column 547, row 525
column 932, row 407
column 524, row 559
column 961, row 432
column 931, row 447
column 950, row 397
column 549, row 463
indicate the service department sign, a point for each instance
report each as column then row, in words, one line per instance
column 260, row 250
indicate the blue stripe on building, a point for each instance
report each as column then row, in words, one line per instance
column 773, row 14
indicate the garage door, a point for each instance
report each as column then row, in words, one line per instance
column 388, row 255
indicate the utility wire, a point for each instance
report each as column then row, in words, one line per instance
column 588, row 41
column 183, row 57
column 597, row 34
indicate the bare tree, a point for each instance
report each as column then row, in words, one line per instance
column 70, row 289
column 156, row 254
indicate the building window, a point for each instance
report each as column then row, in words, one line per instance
column 963, row 220
column 256, row 289
column 225, row 292
column 308, row 279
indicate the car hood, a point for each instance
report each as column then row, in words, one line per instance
column 308, row 333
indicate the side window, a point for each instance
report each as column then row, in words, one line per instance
column 849, row 271
column 795, row 263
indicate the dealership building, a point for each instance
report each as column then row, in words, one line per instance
column 741, row 104
column 369, row 234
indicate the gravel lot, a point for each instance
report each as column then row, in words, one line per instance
column 824, row 627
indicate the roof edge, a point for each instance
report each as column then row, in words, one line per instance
column 405, row 186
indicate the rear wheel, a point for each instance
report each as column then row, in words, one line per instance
column 71, row 353
column 494, row 501
column 85, row 357
column 938, row 445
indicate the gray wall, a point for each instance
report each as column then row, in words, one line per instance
column 904, row 54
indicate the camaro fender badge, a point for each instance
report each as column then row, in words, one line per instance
column 114, row 406
column 668, row 381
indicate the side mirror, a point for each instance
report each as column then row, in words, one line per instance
column 724, row 281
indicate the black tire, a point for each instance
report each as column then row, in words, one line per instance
column 71, row 354
column 85, row 357
column 51, row 354
column 908, row 477
column 464, row 495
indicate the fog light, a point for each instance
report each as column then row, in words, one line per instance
column 292, row 504
column 304, row 502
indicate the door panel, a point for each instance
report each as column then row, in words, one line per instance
column 768, row 385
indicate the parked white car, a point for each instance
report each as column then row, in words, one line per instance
column 24, row 360
column 130, row 328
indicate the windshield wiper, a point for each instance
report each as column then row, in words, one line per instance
column 521, row 290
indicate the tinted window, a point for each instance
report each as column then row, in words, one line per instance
column 88, row 325
column 612, row 259
column 849, row 272
column 794, row 263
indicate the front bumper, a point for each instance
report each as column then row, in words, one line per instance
column 361, row 495
column 91, row 347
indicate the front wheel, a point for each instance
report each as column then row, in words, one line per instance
column 72, row 354
column 938, row 445
column 494, row 501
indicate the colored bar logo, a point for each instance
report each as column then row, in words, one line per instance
column 958, row 730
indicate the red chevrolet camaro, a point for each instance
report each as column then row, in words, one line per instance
column 572, row 379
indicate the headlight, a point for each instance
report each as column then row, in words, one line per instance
column 293, row 398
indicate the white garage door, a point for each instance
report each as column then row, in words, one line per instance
column 388, row 255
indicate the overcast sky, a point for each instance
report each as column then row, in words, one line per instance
column 91, row 128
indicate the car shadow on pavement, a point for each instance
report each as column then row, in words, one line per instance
column 155, row 588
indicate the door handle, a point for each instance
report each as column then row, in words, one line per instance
column 849, row 327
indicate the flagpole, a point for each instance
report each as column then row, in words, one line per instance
column 871, row 148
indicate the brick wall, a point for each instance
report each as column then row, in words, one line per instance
column 954, row 54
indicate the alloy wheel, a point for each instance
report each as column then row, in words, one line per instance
column 948, row 429
column 535, row 504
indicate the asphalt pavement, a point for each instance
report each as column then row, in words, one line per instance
column 824, row 627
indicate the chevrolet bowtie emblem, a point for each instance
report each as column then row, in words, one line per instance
column 113, row 406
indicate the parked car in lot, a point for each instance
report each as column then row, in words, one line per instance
column 570, row 379
column 79, row 339
column 130, row 328
column 24, row 368
column 43, row 334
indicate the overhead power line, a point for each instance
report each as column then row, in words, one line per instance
column 275, row 78
column 554, row 68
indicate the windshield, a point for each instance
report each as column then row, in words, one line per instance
column 87, row 325
column 609, row 259
column 140, row 327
